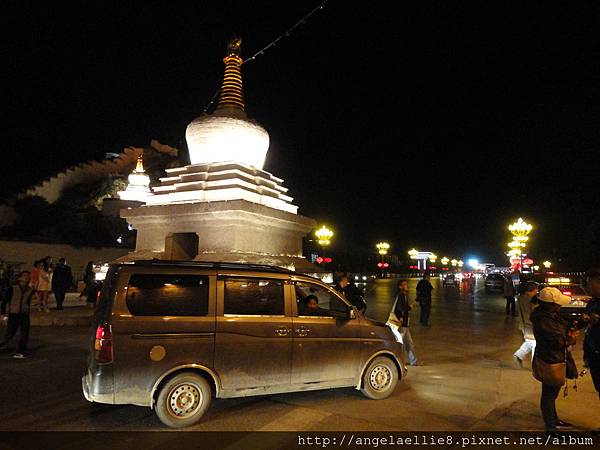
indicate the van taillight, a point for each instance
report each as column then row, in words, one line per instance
column 103, row 344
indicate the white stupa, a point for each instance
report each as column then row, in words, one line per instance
column 138, row 189
column 223, row 203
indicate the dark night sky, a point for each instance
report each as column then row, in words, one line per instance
column 429, row 125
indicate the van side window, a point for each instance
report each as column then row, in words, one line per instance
column 315, row 300
column 254, row 297
column 167, row 295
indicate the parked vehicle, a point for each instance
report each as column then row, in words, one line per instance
column 579, row 297
column 450, row 280
column 494, row 282
column 174, row 335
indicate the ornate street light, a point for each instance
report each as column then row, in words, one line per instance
column 324, row 236
column 383, row 248
column 445, row 260
column 413, row 253
column 454, row 262
column 460, row 263
column 520, row 228
column 520, row 231
column 547, row 264
column 433, row 257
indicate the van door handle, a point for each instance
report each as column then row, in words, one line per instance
column 282, row 331
column 302, row 331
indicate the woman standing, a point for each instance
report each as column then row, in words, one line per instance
column 526, row 302
column 44, row 284
column 551, row 353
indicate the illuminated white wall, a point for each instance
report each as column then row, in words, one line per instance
column 218, row 139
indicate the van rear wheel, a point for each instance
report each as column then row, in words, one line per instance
column 183, row 400
column 380, row 378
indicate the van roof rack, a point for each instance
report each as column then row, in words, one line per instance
column 211, row 265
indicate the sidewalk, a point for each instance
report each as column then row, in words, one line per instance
column 76, row 313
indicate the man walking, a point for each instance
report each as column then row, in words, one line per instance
column 352, row 293
column 62, row 279
column 401, row 310
column 424, row 289
column 18, row 315
column 509, row 294
column 525, row 304
column 591, row 342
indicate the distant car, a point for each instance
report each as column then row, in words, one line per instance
column 494, row 282
column 450, row 280
column 579, row 299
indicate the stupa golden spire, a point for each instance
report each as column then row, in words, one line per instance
column 232, row 94
column 139, row 167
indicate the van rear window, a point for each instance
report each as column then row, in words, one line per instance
column 167, row 295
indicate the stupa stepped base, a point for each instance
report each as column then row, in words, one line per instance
column 227, row 231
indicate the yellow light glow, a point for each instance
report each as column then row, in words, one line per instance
column 547, row 264
column 454, row 262
column 520, row 228
column 413, row 253
column 445, row 260
column 460, row 263
column 433, row 257
column 324, row 236
column 382, row 248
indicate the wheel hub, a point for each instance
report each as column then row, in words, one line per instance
column 380, row 378
column 184, row 400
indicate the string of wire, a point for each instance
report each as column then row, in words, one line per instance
column 273, row 43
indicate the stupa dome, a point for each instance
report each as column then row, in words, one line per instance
column 227, row 137
column 228, row 134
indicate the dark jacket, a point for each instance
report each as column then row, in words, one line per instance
column 402, row 308
column 591, row 341
column 424, row 289
column 62, row 278
column 551, row 333
column 353, row 294
column 20, row 299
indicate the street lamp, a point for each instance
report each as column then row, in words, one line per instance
column 520, row 231
column 324, row 236
column 383, row 248
column 433, row 257
column 454, row 262
column 445, row 260
column 547, row 264
column 460, row 263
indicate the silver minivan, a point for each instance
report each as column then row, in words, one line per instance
column 174, row 335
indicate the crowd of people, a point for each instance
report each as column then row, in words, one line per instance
column 32, row 291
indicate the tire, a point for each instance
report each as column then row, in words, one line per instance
column 183, row 400
column 380, row 378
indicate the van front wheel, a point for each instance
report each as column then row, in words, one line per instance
column 183, row 400
column 380, row 378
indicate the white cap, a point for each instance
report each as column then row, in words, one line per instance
column 553, row 295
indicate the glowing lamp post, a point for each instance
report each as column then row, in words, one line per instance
column 547, row 264
column 324, row 236
column 460, row 264
column 520, row 231
column 454, row 262
column 445, row 260
column 382, row 249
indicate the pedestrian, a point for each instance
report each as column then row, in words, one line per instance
column 35, row 280
column 44, row 284
column 18, row 314
column 399, row 321
column 526, row 302
column 351, row 293
column 62, row 279
column 551, row 358
column 5, row 280
column 88, row 278
column 424, row 289
column 509, row 294
column 591, row 342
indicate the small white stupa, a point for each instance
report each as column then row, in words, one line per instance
column 223, row 206
column 138, row 189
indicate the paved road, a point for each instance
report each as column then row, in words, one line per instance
column 467, row 383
